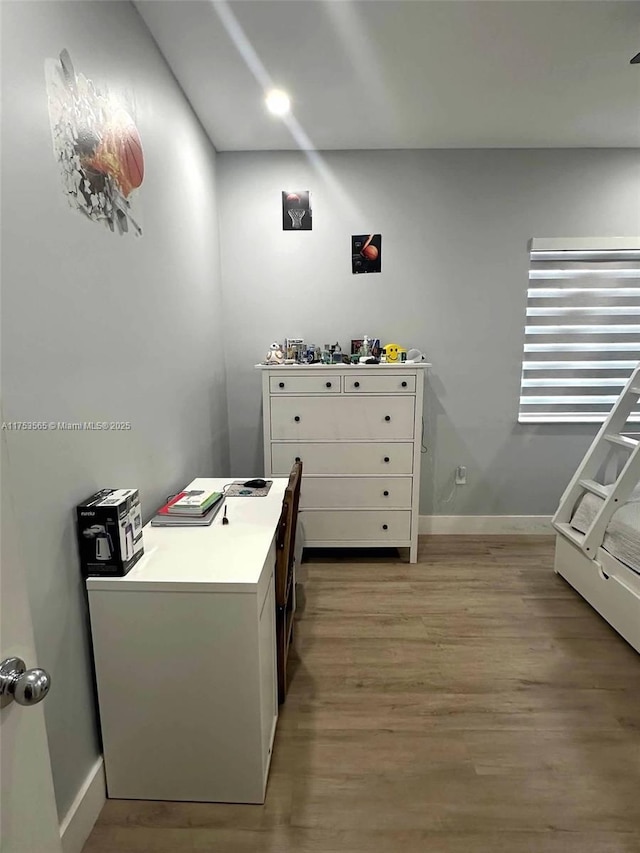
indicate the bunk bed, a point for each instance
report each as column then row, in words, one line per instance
column 598, row 525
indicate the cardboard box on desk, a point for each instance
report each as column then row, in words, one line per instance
column 109, row 525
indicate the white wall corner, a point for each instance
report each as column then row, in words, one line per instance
column 482, row 525
column 84, row 811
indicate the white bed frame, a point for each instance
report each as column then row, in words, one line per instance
column 610, row 586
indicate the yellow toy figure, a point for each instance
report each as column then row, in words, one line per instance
column 394, row 354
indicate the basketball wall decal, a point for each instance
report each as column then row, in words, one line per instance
column 96, row 145
column 119, row 154
column 132, row 158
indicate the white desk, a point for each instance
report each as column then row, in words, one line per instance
column 184, row 649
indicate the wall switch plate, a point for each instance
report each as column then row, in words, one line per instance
column 461, row 475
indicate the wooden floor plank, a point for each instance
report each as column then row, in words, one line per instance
column 472, row 703
column 108, row 839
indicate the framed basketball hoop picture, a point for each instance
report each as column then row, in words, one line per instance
column 366, row 253
column 296, row 210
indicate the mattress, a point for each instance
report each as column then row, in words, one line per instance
column 622, row 539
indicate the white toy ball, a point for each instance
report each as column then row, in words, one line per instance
column 275, row 354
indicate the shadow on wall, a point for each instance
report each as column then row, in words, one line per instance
column 512, row 468
column 537, row 463
column 250, row 436
column 220, row 442
column 445, row 443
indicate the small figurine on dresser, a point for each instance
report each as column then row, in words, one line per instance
column 275, row 354
column 394, row 353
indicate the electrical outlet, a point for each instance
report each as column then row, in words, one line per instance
column 461, row 475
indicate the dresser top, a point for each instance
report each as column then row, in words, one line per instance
column 218, row 558
column 314, row 368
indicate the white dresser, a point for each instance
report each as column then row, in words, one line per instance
column 358, row 433
column 185, row 658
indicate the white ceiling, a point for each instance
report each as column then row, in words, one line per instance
column 407, row 73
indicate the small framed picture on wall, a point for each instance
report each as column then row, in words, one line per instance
column 296, row 210
column 366, row 253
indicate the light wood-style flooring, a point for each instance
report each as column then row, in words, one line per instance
column 472, row 703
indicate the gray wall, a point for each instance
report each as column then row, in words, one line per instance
column 455, row 228
column 101, row 327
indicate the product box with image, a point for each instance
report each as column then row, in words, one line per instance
column 109, row 532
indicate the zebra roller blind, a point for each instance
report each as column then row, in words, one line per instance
column 582, row 333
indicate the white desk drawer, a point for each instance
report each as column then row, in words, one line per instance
column 321, row 384
column 341, row 458
column 357, row 525
column 342, row 418
column 381, row 383
column 356, row 492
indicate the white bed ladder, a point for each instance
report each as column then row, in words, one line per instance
column 583, row 480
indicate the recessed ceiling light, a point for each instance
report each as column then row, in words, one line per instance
column 278, row 102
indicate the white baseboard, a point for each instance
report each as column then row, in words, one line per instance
column 486, row 524
column 85, row 809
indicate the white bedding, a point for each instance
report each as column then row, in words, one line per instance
column 622, row 538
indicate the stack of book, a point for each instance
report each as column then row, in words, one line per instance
column 194, row 508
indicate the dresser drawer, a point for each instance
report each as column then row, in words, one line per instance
column 323, row 383
column 342, row 418
column 356, row 492
column 339, row 458
column 380, row 383
column 376, row 526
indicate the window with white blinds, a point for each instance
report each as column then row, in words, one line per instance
column 582, row 333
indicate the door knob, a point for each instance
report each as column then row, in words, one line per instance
column 26, row 686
